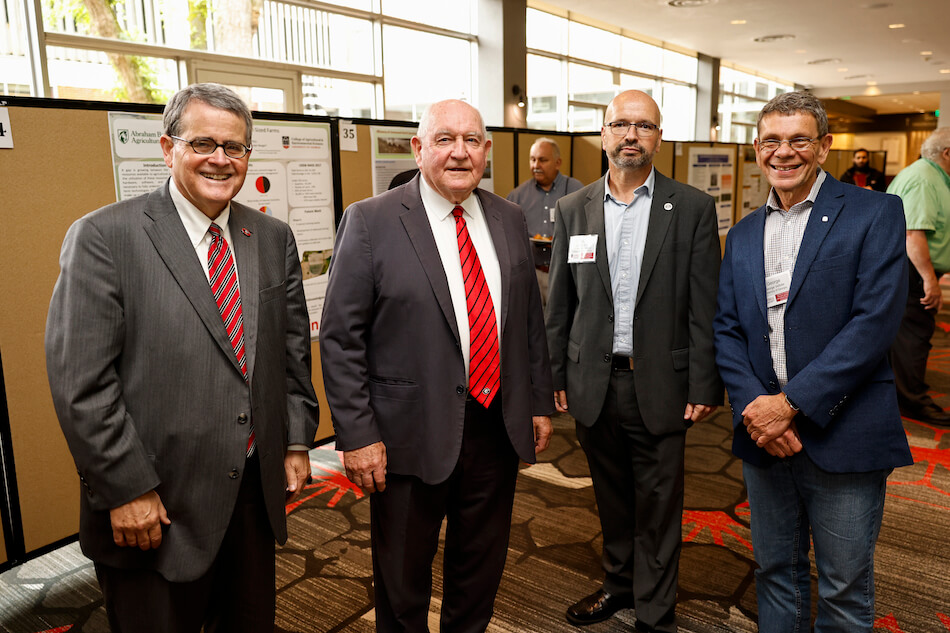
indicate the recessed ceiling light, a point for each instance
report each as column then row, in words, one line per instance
column 926, row 52
column 688, row 4
column 801, row 51
column 945, row 71
column 842, row 70
column 766, row 39
column 738, row 22
column 827, row 60
column 895, row 26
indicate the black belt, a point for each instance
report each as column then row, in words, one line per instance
column 621, row 363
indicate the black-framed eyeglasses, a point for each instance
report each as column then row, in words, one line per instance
column 620, row 128
column 798, row 143
column 205, row 146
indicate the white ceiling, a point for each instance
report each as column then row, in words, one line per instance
column 855, row 34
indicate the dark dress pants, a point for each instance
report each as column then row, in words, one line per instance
column 638, row 485
column 237, row 595
column 909, row 352
column 406, row 519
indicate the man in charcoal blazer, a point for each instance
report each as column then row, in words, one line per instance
column 629, row 318
column 399, row 363
column 180, row 506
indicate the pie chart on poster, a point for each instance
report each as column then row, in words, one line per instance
column 266, row 210
column 262, row 183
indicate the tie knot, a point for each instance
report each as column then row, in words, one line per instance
column 457, row 212
column 215, row 230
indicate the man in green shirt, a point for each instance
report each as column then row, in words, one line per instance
column 924, row 187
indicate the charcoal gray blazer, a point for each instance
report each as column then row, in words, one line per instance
column 146, row 385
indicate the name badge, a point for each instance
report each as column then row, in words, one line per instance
column 582, row 249
column 551, row 215
column 777, row 287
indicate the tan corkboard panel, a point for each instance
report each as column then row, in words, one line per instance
column 356, row 169
column 503, row 162
column 587, row 158
column 663, row 161
column 44, row 191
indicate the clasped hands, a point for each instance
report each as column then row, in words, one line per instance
column 769, row 420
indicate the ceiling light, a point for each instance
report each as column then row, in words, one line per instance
column 827, row 60
column 945, row 71
column 926, row 52
column 895, row 26
column 842, row 70
column 738, row 22
column 801, row 51
column 688, row 4
column 768, row 39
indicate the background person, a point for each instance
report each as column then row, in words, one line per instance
column 862, row 174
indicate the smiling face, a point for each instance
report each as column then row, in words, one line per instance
column 208, row 181
column 453, row 152
column 791, row 172
column 544, row 166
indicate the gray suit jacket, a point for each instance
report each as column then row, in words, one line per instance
column 389, row 341
column 673, row 354
column 146, row 386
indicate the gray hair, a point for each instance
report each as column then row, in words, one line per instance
column 936, row 143
column 216, row 96
column 789, row 103
column 554, row 148
column 426, row 119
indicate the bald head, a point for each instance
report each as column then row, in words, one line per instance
column 636, row 99
column 631, row 148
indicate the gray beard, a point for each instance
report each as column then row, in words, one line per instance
column 634, row 162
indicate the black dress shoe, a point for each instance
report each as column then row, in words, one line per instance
column 597, row 607
column 931, row 414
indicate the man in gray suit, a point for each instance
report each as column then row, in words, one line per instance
column 629, row 318
column 436, row 371
column 182, row 383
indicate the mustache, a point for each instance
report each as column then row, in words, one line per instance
column 630, row 143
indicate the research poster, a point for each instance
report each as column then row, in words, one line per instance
column 755, row 188
column 392, row 155
column 289, row 177
column 712, row 169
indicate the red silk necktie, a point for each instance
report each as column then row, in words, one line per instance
column 483, row 373
column 224, row 285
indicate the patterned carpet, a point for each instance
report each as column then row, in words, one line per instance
column 324, row 571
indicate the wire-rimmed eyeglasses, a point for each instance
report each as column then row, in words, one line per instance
column 620, row 128
column 205, row 146
column 798, row 143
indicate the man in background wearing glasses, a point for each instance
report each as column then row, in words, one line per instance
column 634, row 267
column 811, row 294
column 178, row 353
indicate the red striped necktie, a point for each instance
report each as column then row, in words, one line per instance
column 483, row 373
column 224, row 285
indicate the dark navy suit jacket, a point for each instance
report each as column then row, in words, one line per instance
column 846, row 301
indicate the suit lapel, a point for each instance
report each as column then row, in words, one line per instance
column 416, row 223
column 594, row 209
column 661, row 215
column 170, row 239
column 246, row 258
column 823, row 215
column 497, row 229
column 756, row 258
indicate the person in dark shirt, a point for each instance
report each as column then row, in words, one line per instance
column 862, row 174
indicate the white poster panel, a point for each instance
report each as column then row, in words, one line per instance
column 712, row 169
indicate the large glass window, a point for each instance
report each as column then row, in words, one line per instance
column 94, row 75
column 741, row 96
column 453, row 14
column 575, row 69
column 14, row 50
column 422, row 68
column 338, row 97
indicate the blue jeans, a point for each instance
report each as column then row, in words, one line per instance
column 842, row 511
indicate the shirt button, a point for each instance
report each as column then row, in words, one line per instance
column 234, row 473
column 606, row 358
column 242, row 419
column 460, row 390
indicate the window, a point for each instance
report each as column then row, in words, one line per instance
column 741, row 97
column 14, row 51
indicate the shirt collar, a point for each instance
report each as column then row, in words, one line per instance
column 554, row 183
column 438, row 207
column 774, row 204
column 940, row 170
column 196, row 223
column 647, row 184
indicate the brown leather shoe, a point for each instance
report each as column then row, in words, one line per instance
column 597, row 607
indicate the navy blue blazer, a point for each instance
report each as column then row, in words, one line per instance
column 845, row 304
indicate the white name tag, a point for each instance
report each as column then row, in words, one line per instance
column 582, row 249
column 777, row 287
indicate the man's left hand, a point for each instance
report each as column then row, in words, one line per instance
column 542, row 432
column 697, row 412
column 767, row 418
column 297, row 471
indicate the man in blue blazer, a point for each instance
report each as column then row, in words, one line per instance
column 811, row 294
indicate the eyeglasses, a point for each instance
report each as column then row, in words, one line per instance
column 798, row 143
column 620, row 128
column 205, row 146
